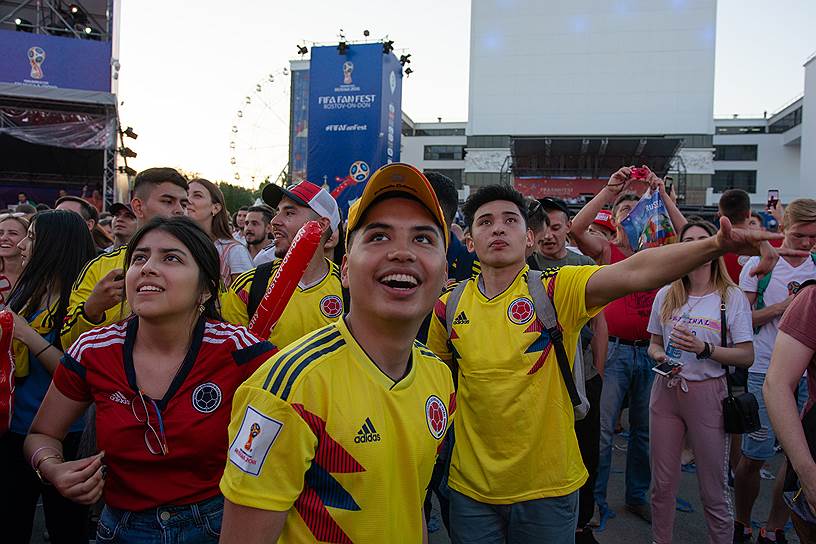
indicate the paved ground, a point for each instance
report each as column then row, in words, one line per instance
column 689, row 528
column 625, row 528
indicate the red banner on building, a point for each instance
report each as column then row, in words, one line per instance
column 563, row 188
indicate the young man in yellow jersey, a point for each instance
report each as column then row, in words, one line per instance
column 318, row 299
column 97, row 294
column 334, row 438
column 516, row 467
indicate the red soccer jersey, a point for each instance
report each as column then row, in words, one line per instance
column 195, row 411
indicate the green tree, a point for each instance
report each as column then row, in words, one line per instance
column 236, row 196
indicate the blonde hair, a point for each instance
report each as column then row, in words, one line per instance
column 677, row 295
column 801, row 210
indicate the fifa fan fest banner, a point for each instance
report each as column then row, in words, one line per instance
column 298, row 127
column 564, row 188
column 52, row 61
column 648, row 224
column 355, row 105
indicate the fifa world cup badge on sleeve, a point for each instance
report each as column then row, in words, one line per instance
column 251, row 445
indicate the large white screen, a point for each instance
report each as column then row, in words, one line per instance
column 592, row 67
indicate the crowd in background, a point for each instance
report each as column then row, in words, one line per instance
column 145, row 306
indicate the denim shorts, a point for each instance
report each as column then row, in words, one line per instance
column 191, row 524
column 759, row 445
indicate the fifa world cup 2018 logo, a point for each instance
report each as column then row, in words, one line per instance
column 254, row 431
column 36, row 56
column 348, row 68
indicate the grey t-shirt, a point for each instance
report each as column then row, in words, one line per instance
column 571, row 259
column 539, row 262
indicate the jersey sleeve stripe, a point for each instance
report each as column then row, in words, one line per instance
column 245, row 355
column 306, row 362
column 283, row 355
column 97, row 337
column 92, row 262
column 242, row 281
column 294, row 358
column 73, row 365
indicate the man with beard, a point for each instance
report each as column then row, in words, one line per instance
column 257, row 230
column 318, row 299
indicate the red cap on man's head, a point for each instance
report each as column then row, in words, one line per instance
column 604, row 219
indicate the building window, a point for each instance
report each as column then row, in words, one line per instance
column 722, row 180
column 735, row 152
column 439, row 132
column 740, row 130
column 444, row 152
column 786, row 123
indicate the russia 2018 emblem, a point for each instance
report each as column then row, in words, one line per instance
column 437, row 416
column 331, row 306
column 520, row 311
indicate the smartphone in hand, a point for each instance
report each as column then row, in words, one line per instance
column 773, row 199
column 667, row 369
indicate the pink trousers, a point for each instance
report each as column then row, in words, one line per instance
column 678, row 410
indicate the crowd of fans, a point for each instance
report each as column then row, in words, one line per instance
column 482, row 354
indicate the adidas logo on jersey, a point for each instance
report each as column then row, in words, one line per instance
column 461, row 319
column 367, row 433
column 119, row 397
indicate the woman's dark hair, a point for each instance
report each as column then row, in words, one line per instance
column 186, row 231
column 221, row 221
column 61, row 248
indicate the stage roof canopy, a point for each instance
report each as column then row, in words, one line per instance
column 591, row 156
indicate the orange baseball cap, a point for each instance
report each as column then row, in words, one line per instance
column 398, row 177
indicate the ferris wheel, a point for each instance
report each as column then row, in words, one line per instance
column 259, row 138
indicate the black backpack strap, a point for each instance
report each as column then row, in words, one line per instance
column 546, row 313
column 257, row 288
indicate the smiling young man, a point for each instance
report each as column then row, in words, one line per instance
column 157, row 192
column 334, row 438
column 516, row 466
column 318, row 298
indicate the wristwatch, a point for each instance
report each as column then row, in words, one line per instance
column 706, row 353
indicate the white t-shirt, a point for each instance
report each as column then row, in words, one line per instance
column 784, row 279
column 701, row 315
column 266, row 255
column 235, row 259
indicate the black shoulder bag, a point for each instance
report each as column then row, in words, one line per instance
column 742, row 412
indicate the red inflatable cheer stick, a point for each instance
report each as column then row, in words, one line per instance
column 6, row 371
column 285, row 280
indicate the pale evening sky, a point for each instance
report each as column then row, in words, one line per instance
column 186, row 67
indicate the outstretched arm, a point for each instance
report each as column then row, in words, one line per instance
column 653, row 268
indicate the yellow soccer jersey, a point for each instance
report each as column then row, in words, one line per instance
column 76, row 322
column 515, row 437
column 308, row 310
column 321, row 432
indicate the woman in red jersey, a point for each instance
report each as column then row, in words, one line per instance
column 162, row 382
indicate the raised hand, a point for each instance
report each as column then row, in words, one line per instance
column 106, row 294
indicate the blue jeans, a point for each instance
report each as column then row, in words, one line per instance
column 553, row 519
column 628, row 370
column 759, row 445
column 188, row 524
